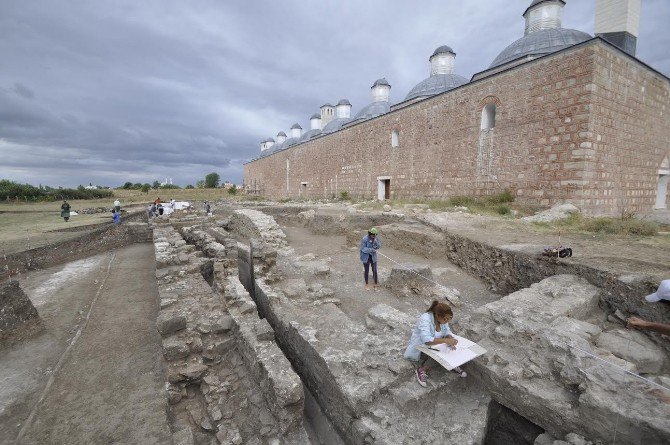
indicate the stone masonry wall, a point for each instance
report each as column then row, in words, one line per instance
column 541, row 147
column 631, row 128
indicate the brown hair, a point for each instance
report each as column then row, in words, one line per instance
column 440, row 309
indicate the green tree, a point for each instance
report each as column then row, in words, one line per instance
column 145, row 188
column 200, row 184
column 156, row 184
column 232, row 190
column 189, row 186
column 127, row 185
column 212, row 180
column 137, row 185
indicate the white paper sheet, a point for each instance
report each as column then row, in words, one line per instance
column 465, row 351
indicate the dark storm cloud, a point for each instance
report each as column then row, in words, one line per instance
column 108, row 92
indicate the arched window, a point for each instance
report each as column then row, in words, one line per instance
column 395, row 138
column 489, row 117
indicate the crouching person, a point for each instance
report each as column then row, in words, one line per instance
column 431, row 329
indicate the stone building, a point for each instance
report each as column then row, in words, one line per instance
column 559, row 116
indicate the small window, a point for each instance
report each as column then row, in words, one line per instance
column 489, row 117
column 395, row 139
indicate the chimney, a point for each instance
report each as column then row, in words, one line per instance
column 315, row 122
column 543, row 14
column 343, row 109
column 327, row 114
column 269, row 143
column 296, row 131
column 442, row 61
column 381, row 90
column 618, row 22
column 281, row 137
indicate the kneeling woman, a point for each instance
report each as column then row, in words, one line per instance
column 431, row 329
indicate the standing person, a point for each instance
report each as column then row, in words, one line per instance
column 368, row 253
column 431, row 329
column 116, row 218
column 65, row 211
column 117, row 205
column 153, row 209
column 149, row 211
column 208, row 209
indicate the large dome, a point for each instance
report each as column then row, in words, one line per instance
column 539, row 43
column 373, row 110
column 436, row 84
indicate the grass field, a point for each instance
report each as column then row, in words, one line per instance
column 26, row 225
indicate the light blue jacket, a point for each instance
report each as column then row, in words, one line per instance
column 370, row 248
column 423, row 333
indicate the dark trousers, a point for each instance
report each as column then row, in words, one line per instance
column 367, row 270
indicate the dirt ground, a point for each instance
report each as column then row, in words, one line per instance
column 346, row 276
column 618, row 254
column 94, row 375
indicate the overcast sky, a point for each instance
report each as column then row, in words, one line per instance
column 112, row 91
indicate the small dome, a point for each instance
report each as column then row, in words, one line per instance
column 336, row 124
column 373, row 110
column 270, row 140
column 444, row 49
column 326, row 105
column 381, row 82
column 344, row 102
column 436, row 84
column 539, row 43
column 315, row 116
column 281, row 133
column 296, row 127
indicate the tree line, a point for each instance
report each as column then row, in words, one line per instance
column 10, row 190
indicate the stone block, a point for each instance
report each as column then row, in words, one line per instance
column 174, row 349
column 169, row 322
column 633, row 347
column 295, row 288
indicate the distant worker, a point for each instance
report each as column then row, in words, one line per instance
column 153, row 209
column 157, row 201
column 661, row 294
column 117, row 206
column 208, row 209
column 116, row 217
column 368, row 253
column 172, row 203
column 431, row 329
column 65, row 211
column 149, row 211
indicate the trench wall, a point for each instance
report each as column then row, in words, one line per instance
column 101, row 239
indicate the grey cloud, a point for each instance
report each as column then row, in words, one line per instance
column 113, row 91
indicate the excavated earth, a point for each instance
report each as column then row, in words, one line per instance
column 254, row 327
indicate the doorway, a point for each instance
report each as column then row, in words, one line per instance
column 383, row 188
column 303, row 190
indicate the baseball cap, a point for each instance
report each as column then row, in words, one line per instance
column 663, row 292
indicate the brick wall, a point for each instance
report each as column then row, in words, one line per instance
column 543, row 146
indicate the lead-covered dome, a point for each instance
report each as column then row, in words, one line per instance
column 436, row 84
column 539, row 43
column 373, row 109
column 442, row 77
column 544, row 33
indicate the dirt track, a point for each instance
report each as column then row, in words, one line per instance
column 103, row 385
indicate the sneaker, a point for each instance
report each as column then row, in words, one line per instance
column 375, row 288
column 460, row 372
column 367, row 286
column 421, row 376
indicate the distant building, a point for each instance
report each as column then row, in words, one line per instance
column 558, row 116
